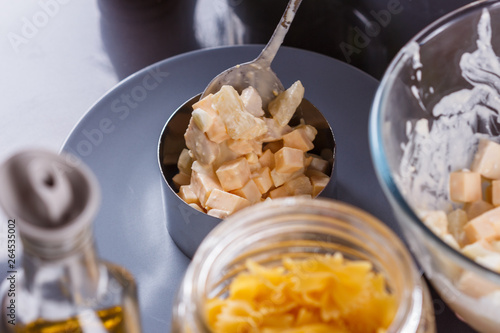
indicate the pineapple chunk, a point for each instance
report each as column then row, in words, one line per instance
column 202, row 119
column 240, row 124
column 202, row 148
column 274, row 131
column 456, row 222
column 252, row 101
column 283, row 107
column 185, row 161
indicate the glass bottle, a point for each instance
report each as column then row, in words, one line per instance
column 62, row 285
column 301, row 227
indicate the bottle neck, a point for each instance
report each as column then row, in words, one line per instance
column 69, row 268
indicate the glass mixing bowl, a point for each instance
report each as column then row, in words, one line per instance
column 417, row 137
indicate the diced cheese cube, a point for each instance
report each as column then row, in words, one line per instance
column 202, row 119
column 252, row 101
column 240, row 124
column 233, row 174
column 476, row 208
column 184, row 162
column 288, row 160
column 203, row 149
column 203, row 184
column 263, row 179
column 279, row 192
column 187, row 194
column 487, row 159
column 299, row 185
column 283, row 107
column 267, row 159
column 249, row 191
column 315, row 173
column 495, row 192
column 197, row 207
column 219, row 213
column 318, row 184
column 485, row 226
column 228, row 202
column 465, row 186
column 243, row 147
column 456, row 222
column 298, row 139
column 279, row 178
column 202, row 168
column 436, row 220
column 217, row 132
column 475, row 286
column 205, row 104
column 273, row 146
column 317, row 163
column 181, row 179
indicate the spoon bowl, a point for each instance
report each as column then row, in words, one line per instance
column 258, row 73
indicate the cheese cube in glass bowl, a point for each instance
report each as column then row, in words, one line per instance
column 434, row 130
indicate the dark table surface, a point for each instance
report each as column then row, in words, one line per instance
column 60, row 56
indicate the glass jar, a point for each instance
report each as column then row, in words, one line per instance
column 61, row 285
column 298, row 228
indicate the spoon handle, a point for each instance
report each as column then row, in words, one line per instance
column 267, row 55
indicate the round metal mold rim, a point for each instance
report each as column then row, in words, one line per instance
column 187, row 226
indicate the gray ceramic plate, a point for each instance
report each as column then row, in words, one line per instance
column 118, row 139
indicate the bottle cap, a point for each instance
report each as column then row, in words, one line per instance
column 52, row 197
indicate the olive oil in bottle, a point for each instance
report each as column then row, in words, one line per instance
column 61, row 285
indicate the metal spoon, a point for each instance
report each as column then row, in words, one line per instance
column 258, row 73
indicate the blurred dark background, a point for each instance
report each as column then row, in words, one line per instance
column 364, row 33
